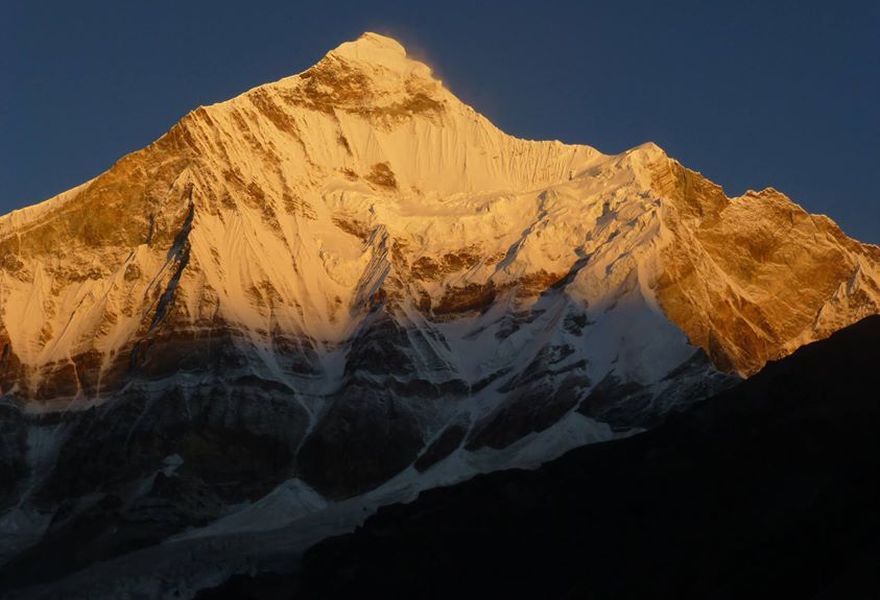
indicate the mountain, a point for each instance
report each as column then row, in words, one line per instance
column 346, row 286
column 768, row 490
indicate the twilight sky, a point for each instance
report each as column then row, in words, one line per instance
column 752, row 94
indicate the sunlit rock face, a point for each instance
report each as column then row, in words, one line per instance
column 351, row 278
column 753, row 278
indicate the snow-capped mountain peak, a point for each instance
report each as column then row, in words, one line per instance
column 377, row 50
column 366, row 285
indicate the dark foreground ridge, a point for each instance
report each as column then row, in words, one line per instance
column 769, row 488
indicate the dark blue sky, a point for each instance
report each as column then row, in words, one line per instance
column 752, row 94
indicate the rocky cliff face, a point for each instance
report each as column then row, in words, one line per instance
column 351, row 280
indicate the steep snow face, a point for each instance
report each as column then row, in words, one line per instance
column 351, row 278
column 261, row 201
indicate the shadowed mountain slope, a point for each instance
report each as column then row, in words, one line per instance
column 769, row 489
